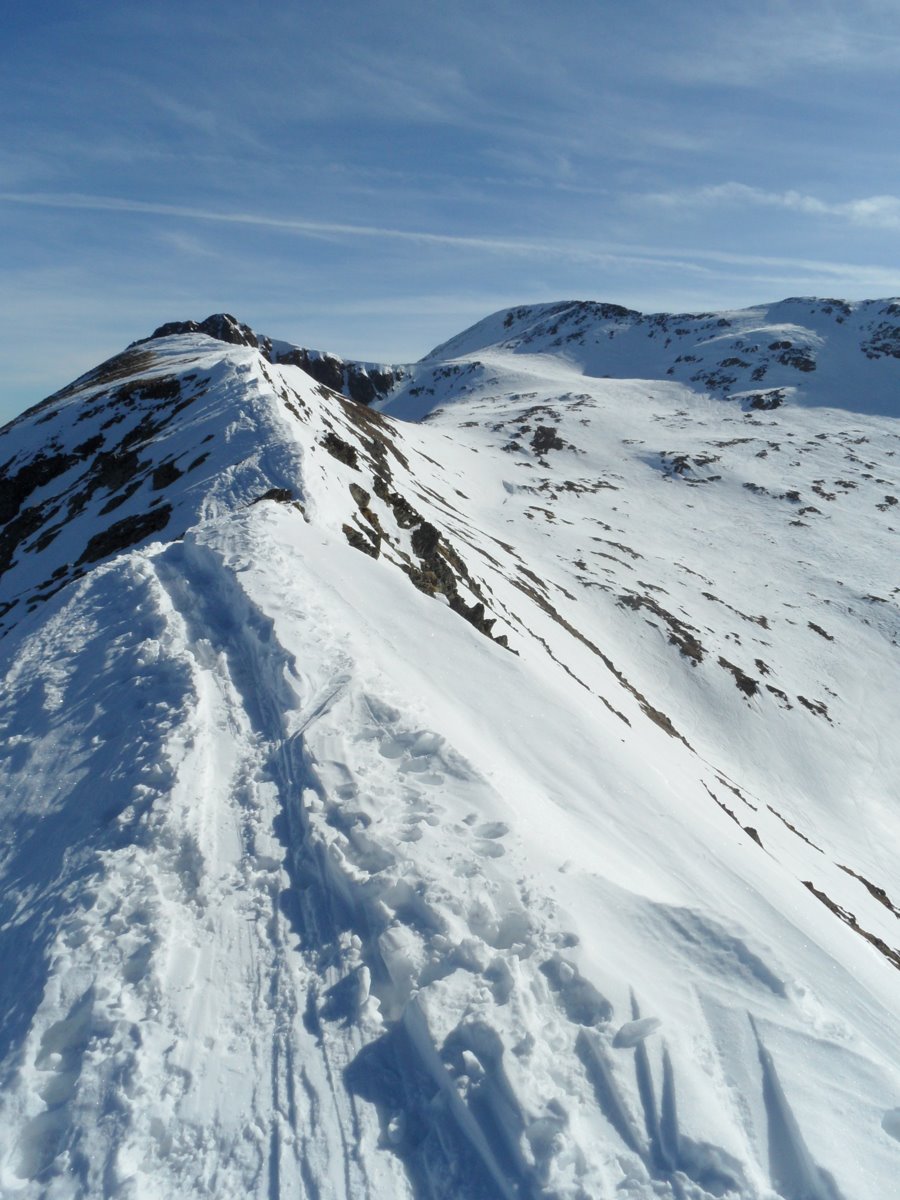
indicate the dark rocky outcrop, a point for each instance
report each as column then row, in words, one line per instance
column 340, row 449
column 356, row 381
column 125, row 533
column 42, row 469
column 546, row 438
column 164, row 475
column 279, row 494
column 744, row 682
column 765, row 401
column 680, row 634
column 221, row 326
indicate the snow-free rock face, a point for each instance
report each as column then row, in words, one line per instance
column 495, row 805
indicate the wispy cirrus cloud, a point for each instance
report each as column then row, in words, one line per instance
column 874, row 212
column 696, row 261
column 528, row 247
column 778, row 40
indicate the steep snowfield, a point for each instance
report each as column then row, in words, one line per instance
column 501, row 805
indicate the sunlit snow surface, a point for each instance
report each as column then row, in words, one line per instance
column 312, row 886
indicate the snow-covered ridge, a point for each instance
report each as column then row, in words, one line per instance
column 500, row 805
column 817, row 352
column 360, row 381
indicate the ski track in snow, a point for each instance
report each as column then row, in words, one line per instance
column 378, row 1004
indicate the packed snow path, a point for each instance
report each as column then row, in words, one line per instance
column 333, row 966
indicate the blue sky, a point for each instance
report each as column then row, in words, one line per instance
column 370, row 178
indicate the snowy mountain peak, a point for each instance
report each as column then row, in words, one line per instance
column 363, row 382
column 221, row 326
column 807, row 351
column 498, row 804
column 513, row 326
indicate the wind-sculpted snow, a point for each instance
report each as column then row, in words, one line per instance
column 497, row 806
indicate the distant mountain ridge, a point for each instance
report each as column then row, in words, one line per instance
column 760, row 357
column 828, row 352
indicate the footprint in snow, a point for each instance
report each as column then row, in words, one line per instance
column 421, row 768
column 489, row 850
column 492, row 829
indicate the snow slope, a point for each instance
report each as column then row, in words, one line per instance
column 498, row 805
column 818, row 352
